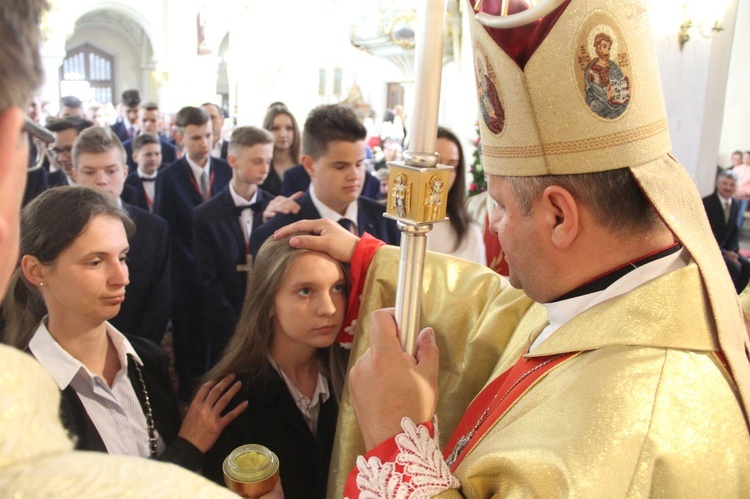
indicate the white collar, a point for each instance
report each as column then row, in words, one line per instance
column 352, row 211
column 143, row 174
column 196, row 168
column 561, row 312
column 723, row 200
column 239, row 200
column 62, row 366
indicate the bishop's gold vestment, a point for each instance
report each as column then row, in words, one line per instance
column 645, row 410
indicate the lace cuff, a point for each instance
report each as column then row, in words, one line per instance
column 361, row 259
column 409, row 465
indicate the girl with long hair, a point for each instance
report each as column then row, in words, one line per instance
column 117, row 396
column 292, row 371
column 286, row 145
column 460, row 236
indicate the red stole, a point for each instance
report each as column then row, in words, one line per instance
column 495, row 400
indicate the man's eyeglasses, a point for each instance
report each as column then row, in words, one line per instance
column 40, row 138
column 59, row 150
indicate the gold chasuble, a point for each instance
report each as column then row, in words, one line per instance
column 652, row 395
column 645, row 409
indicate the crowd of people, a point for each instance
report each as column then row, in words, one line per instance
column 612, row 361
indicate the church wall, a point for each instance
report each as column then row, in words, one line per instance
column 694, row 87
column 734, row 130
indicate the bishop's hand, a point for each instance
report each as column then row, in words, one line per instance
column 387, row 384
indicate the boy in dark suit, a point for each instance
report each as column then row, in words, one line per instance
column 147, row 158
column 65, row 131
column 180, row 187
column 99, row 161
column 222, row 228
column 333, row 145
column 125, row 127
column 722, row 212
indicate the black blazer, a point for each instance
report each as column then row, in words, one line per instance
column 219, row 247
column 163, row 407
column 273, row 419
column 168, row 153
column 121, row 130
column 726, row 233
column 134, row 181
column 296, row 179
column 57, row 178
column 147, row 306
column 176, row 197
column 36, row 183
column 370, row 220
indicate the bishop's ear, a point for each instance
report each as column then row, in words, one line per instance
column 562, row 215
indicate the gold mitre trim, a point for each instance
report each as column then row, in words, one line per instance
column 567, row 111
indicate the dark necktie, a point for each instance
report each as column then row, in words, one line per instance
column 146, row 179
column 255, row 207
column 347, row 224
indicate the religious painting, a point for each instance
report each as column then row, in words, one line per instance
column 493, row 113
column 603, row 67
column 203, row 47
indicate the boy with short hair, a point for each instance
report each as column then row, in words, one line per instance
column 333, row 146
column 180, row 187
column 99, row 161
column 222, row 228
column 147, row 158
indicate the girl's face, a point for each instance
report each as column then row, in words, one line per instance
column 309, row 307
column 448, row 152
column 282, row 129
column 88, row 279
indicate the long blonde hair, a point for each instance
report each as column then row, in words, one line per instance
column 248, row 348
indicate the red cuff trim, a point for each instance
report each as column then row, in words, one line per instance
column 364, row 252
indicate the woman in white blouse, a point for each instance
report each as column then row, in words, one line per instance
column 117, row 396
column 460, row 236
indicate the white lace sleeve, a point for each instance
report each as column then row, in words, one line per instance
column 419, row 470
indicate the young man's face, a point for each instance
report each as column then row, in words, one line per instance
column 62, row 147
column 104, row 170
column 148, row 121
column 131, row 113
column 251, row 164
column 197, row 140
column 148, row 158
column 339, row 174
column 217, row 120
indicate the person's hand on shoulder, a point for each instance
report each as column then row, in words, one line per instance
column 204, row 421
column 282, row 204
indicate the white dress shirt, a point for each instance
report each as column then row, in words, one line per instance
column 149, row 187
column 246, row 218
column 309, row 407
column 115, row 411
column 352, row 211
column 198, row 171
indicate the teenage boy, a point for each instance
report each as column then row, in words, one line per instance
column 333, row 146
column 99, row 161
column 65, row 131
column 222, row 228
column 180, row 187
column 147, row 157
column 148, row 122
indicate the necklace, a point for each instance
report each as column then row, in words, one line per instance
column 149, row 414
column 464, row 441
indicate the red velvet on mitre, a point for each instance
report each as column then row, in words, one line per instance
column 519, row 43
